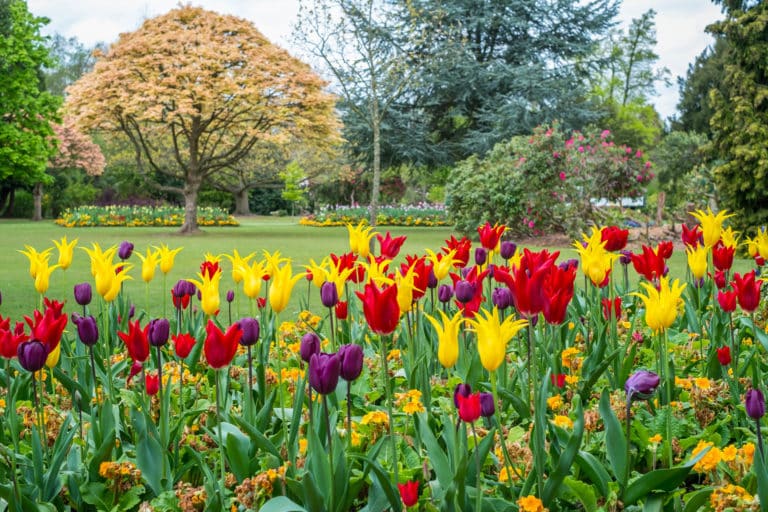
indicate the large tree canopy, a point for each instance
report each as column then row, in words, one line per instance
column 194, row 91
column 26, row 110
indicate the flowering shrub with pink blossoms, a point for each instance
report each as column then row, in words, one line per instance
column 545, row 182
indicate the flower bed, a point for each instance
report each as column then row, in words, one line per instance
column 415, row 215
column 473, row 377
column 144, row 216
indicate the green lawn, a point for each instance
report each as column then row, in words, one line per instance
column 258, row 234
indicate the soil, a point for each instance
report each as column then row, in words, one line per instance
column 637, row 238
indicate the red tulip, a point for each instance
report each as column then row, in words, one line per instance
column 558, row 379
column 49, row 326
column 10, row 340
column 136, row 341
column 469, row 407
column 341, row 310
column 474, row 284
column 409, row 492
column 152, row 383
column 210, row 268
column 607, row 310
column 692, row 237
column 665, row 249
column 727, row 300
column 650, row 264
column 390, row 247
column 724, row 355
column 422, row 269
column 462, row 247
column 558, row 292
column 747, row 290
column 719, row 279
column 349, row 261
column 380, row 308
column 183, row 344
column 136, row 368
column 219, row 347
column 490, row 236
column 722, row 256
column 614, row 237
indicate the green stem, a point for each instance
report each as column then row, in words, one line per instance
column 163, row 414
column 221, row 437
column 330, row 448
column 478, row 485
column 629, row 423
column 388, row 392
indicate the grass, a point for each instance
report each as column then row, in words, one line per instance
column 256, row 234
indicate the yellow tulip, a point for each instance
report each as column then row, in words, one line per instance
column 43, row 275
column 53, row 357
column 319, row 274
column 118, row 280
column 697, row 261
column 97, row 255
column 148, row 264
column 252, row 277
column 377, row 271
column 360, row 239
column 338, row 277
column 66, row 251
column 711, row 225
column 447, row 337
column 35, row 258
column 596, row 262
column 209, row 292
column 661, row 305
column 493, row 336
column 405, row 287
column 281, row 287
column 273, row 262
column 729, row 237
column 759, row 244
column 441, row 263
column 237, row 262
column 167, row 257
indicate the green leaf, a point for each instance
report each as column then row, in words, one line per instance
column 237, row 447
column 437, row 456
column 148, row 460
column 654, row 503
column 96, row 494
column 583, row 492
column 595, row 470
column 615, row 443
column 697, row 500
column 762, row 477
column 664, row 480
column 565, row 461
column 52, row 477
column 281, row 504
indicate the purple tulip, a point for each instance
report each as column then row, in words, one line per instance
column 132, row 311
column 755, row 404
column 444, row 293
column 465, row 291
column 310, row 345
column 487, row 405
column 250, row 328
column 125, row 250
column 462, row 389
column 569, row 264
column 87, row 329
column 230, row 295
column 501, row 297
column 351, row 361
column 626, row 257
column 158, row 332
column 481, row 255
column 32, row 355
column 324, row 371
column 432, row 279
column 83, row 293
column 507, row 249
column 329, row 296
column 642, row 382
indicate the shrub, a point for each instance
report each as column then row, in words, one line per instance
column 546, row 182
column 413, row 215
column 145, row 216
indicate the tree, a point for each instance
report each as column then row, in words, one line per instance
column 70, row 60
column 293, row 178
column 496, row 69
column 740, row 119
column 364, row 45
column 26, row 110
column 194, row 91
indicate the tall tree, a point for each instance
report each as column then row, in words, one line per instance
column 26, row 109
column 740, row 119
column 194, row 91
column 365, row 46
column 499, row 68
column 70, row 60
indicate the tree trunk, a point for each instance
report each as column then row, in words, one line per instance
column 191, row 188
column 242, row 206
column 37, row 194
column 7, row 199
column 660, row 200
column 375, row 189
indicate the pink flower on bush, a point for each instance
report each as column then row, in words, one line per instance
column 605, row 133
column 562, row 176
column 581, row 149
column 639, row 154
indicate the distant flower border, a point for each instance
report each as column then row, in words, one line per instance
column 140, row 216
column 422, row 214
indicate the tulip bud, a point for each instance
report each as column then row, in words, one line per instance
column 755, row 404
column 250, row 328
column 432, row 279
column 230, row 295
column 87, row 329
column 136, row 368
column 465, row 291
column 502, row 298
column 626, row 257
column 324, row 371
column 152, row 384
column 125, row 250
column 32, row 355
column 329, row 296
column 642, row 382
column 351, row 361
column 487, row 405
column 462, row 389
column 342, row 310
column 507, row 249
column 481, row 255
column 158, row 332
column 132, row 311
column 310, row 345
column 444, row 293
column 83, row 293
column 179, row 289
column 569, row 264
column 724, row 355
column 469, row 407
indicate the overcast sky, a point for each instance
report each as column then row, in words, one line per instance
column 679, row 25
